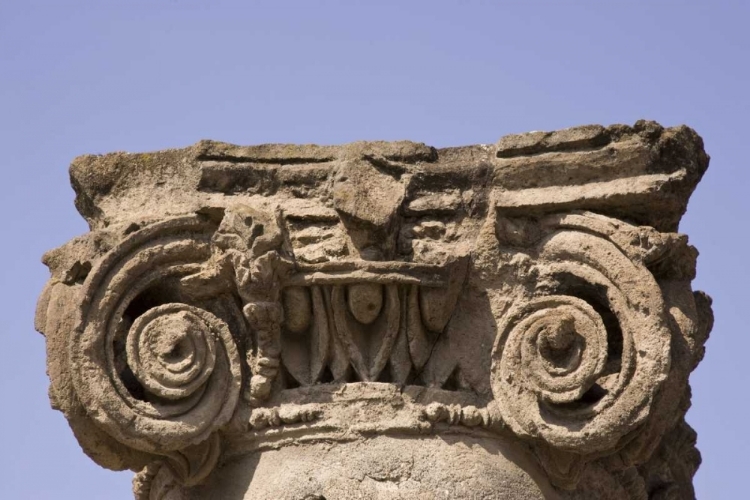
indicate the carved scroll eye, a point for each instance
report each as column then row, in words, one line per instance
column 172, row 350
column 557, row 349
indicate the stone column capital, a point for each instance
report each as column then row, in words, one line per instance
column 513, row 319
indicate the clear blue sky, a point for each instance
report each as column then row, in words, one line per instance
column 97, row 76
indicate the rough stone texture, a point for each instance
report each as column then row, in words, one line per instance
column 385, row 320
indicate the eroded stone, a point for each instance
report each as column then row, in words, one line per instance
column 385, row 320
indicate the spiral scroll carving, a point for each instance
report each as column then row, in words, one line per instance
column 559, row 348
column 156, row 368
column 171, row 350
column 578, row 363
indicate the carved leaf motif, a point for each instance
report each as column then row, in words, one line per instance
column 368, row 346
column 305, row 352
column 193, row 464
column 421, row 340
column 400, row 360
column 339, row 364
column 440, row 366
column 320, row 336
column 428, row 310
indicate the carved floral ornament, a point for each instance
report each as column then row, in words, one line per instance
column 384, row 288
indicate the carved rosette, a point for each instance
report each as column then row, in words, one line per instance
column 456, row 304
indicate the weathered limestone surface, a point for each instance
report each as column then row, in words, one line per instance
column 385, row 320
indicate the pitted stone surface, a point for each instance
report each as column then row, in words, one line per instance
column 383, row 468
column 385, row 320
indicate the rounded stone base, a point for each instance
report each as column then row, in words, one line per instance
column 382, row 468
